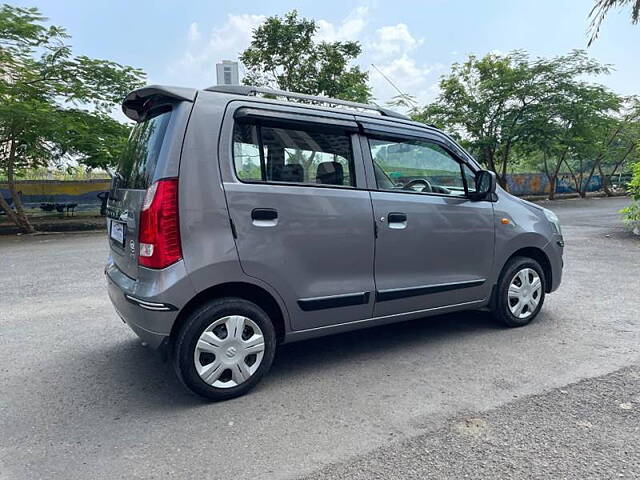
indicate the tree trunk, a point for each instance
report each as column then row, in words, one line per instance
column 19, row 217
column 503, row 176
column 584, row 186
column 576, row 182
column 488, row 157
column 306, row 164
column 605, row 182
column 553, row 179
column 4, row 205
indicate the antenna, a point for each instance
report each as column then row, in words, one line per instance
column 402, row 94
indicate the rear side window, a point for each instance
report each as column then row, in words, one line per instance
column 272, row 153
column 140, row 156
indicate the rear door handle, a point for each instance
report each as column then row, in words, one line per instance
column 397, row 220
column 264, row 217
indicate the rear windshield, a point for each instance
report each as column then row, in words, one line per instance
column 140, row 155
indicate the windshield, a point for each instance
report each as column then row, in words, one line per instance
column 140, row 156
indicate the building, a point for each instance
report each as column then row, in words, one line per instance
column 227, row 73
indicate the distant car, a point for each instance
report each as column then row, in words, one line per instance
column 241, row 218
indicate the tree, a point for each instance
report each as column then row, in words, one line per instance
column 284, row 54
column 631, row 213
column 576, row 134
column 500, row 103
column 616, row 145
column 54, row 105
column 602, row 7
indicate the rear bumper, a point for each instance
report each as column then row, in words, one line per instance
column 151, row 317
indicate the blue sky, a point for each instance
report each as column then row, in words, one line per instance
column 413, row 42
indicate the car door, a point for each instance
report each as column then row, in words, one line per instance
column 434, row 246
column 302, row 222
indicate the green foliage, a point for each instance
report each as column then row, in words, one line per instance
column 506, row 107
column 55, row 105
column 634, row 185
column 405, row 101
column 602, row 7
column 283, row 54
column 631, row 216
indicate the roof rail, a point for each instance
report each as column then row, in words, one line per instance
column 312, row 99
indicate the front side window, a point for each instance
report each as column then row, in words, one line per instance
column 265, row 153
column 416, row 165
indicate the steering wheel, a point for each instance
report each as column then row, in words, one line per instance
column 418, row 181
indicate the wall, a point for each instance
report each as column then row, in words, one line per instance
column 538, row 184
column 82, row 192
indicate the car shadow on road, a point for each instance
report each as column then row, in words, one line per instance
column 132, row 377
column 325, row 352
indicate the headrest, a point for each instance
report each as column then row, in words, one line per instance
column 330, row 173
column 289, row 173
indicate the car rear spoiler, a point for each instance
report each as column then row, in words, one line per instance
column 140, row 101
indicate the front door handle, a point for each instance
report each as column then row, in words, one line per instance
column 264, row 214
column 396, row 217
column 264, row 217
column 397, row 220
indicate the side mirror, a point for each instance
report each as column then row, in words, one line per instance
column 485, row 185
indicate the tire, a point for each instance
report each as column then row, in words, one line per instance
column 514, row 272
column 215, row 347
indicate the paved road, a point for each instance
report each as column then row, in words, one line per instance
column 587, row 430
column 80, row 398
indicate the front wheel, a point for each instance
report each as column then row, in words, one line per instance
column 520, row 292
column 224, row 348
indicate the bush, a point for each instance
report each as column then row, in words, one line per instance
column 631, row 214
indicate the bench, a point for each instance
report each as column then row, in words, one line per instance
column 59, row 207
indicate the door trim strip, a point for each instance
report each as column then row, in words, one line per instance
column 295, row 335
column 334, row 301
column 397, row 293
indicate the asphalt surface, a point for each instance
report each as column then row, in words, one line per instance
column 588, row 430
column 81, row 398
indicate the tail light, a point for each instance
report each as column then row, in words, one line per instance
column 159, row 234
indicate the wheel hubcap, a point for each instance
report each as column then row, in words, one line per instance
column 229, row 351
column 525, row 291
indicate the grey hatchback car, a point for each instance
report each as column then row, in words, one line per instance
column 241, row 218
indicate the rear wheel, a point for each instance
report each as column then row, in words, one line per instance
column 224, row 348
column 520, row 292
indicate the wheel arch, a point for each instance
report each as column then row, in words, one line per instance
column 244, row 290
column 539, row 256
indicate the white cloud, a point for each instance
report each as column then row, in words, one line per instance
column 394, row 40
column 405, row 73
column 349, row 29
column 392, row 48
column 196, row 67
column 194, row 33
